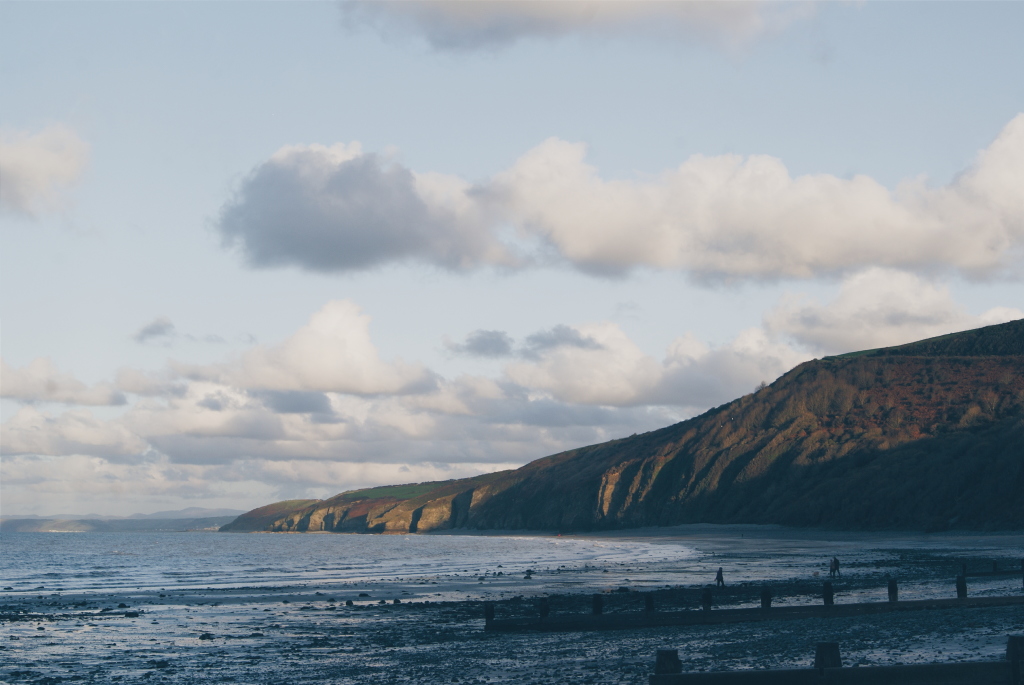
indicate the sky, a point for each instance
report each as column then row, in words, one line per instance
column 263, row 251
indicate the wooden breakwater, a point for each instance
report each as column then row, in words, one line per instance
column 544, row 621
column 828, row 670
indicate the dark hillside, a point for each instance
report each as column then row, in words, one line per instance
column 925, row 436
column 991, row 341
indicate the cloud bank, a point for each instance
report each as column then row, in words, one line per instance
column 712, row 218
column 41, row 381
column 37, row 168
column 878, row 308
column 489, row 24
column 321, row 411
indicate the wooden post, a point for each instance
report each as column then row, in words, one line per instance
column 827, row 656
column 894, row 591
column 705, row 599
column 543, row 607
column 667, row 662
column 488, row 613
column 961, row 587
column 766, row 597
column 828, row 595
column 597, row 605
column 1014, row 654
column 648, row 602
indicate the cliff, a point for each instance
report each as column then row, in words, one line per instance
column 925, row 436
column 261, row 518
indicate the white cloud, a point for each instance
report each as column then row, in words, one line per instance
column 698, row 376
column 148, row 384
column 79, row 484
column 878, row 308
column 732, row 217
column 336, row 208
column 715, row 218
column 613, row 372
column 41, row 381
column 321, row 412
column 691, row 375
column 77, row 431
column 332, row 353
column 37, row 168
column 464, row 25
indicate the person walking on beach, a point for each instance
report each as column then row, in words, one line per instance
column 719, row 580
column 832, row 568
column 835, row 567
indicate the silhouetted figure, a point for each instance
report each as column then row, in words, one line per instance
column 832, row 568
column 719, row 580
column 835, row 565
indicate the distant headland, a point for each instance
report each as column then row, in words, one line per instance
column 925, row 436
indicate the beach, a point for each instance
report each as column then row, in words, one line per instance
column 429, row 627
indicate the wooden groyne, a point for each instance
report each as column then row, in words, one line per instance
column 995, row 571
column 544, row 621
column 651, row 619
column 828, row 670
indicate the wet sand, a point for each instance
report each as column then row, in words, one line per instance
column 307, row 633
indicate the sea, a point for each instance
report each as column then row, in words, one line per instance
column 192, row 608
column 102, row 562
column 682, row 556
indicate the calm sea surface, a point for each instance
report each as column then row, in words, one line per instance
column 83, row 562
column 191, row 608
column 98, row 562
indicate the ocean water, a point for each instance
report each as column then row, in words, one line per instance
column 100, row 562
column 190, row 608
column 74, row 563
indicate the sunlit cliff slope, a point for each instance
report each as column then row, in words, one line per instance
column 926, row 436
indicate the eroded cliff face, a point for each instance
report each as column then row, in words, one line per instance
column 914, row 439
column 442, row 506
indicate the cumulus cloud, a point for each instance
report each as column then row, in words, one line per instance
column 462, row 25
column 614, row 371
column 303, row 416
column 41, row 381
column 609, row 370
column 332, row 353
column 82, row 483
column 714, row 218
column 36, row 168
column 878, row 308
column 734, row 217
column 700, row 376
column 31, row 431
column 482, row 343
column 558, row 336
column 159, row 329
column 336, row 208
column 79, row 483
column 148, row 384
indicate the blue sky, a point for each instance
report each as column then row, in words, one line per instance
column 254, row 251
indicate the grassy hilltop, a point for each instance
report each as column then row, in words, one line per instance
column 926, row 436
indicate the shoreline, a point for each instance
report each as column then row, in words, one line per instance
column 301, row 631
